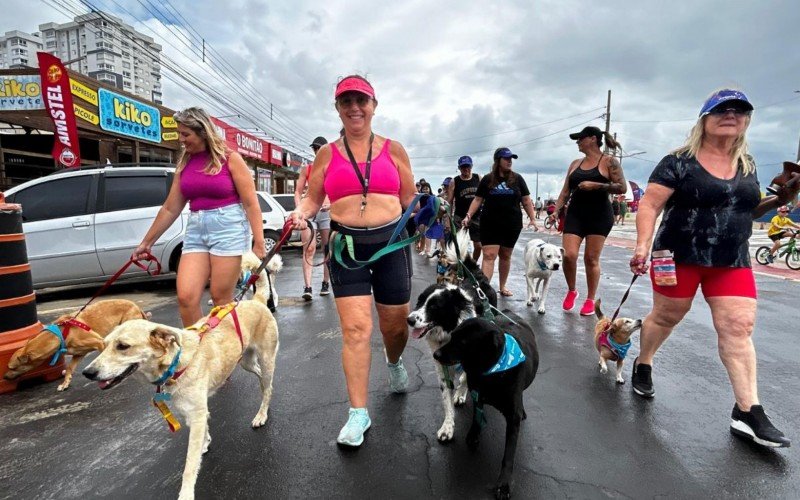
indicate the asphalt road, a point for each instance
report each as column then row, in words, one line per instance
column 585, row 436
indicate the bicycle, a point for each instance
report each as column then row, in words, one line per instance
column 790, row 250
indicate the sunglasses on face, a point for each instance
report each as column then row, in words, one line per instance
column 719, row 111
column 360, row 100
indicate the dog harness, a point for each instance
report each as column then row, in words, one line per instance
column 170, row 376
column 511, row 357
column 56, row 329
column 618, row 350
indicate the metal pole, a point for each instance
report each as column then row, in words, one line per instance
column 608, row 118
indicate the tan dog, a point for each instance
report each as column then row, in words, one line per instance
column 101, row 317
column 204, row 366
column 613, row 339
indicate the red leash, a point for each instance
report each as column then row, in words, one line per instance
column 148, row 258
column 287, row 231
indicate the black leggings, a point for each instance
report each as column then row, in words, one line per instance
column 388, row 279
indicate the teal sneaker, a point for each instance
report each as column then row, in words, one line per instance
column 358, row 422
column 398, row 376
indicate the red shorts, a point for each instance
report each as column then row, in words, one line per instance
column 716, row 282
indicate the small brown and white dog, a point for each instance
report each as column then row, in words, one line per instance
column 101, row 317
column 151, row 349
column 612, row 340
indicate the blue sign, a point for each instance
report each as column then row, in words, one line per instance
column 122, row 115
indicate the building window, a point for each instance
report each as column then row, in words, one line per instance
column 126, row 65
column 126, row 74
column 125, row 53
column 126, row 85
column 50, row 34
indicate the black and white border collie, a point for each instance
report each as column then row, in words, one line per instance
column 440, row 309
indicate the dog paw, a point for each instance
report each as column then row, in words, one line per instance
column 603, row 368
column 459, row 399
column 502, row 492
column 529, row 303
column 620, row 380
column 63, row 387
column 446, row 431
column 540, row 310
column 260, row 420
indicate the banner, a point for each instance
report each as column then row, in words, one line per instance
column 58, row 103
column 19, row 92
column 122, row 115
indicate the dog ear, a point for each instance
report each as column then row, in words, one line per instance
column 561, row 249
column 597, row 310
column 163, row 337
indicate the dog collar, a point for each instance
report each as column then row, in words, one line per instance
column 244, row 282
column 511, row 357
column 62, row 344
column 542, row 265
column 170, row 370
column 619, row 350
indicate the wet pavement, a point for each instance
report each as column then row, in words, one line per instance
column 585, row 436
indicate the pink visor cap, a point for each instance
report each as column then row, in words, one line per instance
column 354, row 84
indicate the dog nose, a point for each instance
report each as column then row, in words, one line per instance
column 411, row 320
column 90, row 373
column 555, row 267
column 437, row 355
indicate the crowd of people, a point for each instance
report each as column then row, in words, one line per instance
column 359, row 186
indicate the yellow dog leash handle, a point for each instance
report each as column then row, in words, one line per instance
column 172, row 422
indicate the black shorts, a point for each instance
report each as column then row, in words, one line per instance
column 499, row 234
column 778, row 236
column 474, row 227
column 388, row 279
column 585, row 224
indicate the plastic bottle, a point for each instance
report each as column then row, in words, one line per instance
column 664, row 268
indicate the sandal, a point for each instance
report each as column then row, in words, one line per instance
column 506, row 292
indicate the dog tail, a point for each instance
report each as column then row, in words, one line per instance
column 597, row 310
column 462, row 240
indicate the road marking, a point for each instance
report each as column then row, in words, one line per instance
column 54, row 412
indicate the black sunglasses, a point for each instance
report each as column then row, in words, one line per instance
column 360, row 99
column 720, row 111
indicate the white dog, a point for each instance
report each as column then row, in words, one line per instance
column 265, row 285
column 541, row 259
column 152, row 348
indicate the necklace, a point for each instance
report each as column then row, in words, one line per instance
column 363, row 179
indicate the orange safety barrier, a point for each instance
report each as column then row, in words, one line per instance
column 18, row 318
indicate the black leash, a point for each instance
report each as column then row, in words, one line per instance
column 624, row 298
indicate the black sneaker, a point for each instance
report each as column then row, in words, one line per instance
column 755, row 426
column 325, row 289
column 642, row 379
column 307, row 293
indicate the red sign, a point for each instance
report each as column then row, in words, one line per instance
column 276, row 155
column 243, row 143
column 57, row 99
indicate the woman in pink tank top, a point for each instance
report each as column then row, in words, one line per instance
column 224, row 213
column 368, row 180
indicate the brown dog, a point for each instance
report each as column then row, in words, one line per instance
column 613, row 339
column 101, row 317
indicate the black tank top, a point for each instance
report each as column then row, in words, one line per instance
column 597, row 198
column 463, row 194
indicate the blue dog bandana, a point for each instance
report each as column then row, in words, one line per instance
column 62, row 347
column 511, row 357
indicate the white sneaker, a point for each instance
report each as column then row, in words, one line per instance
column 398, row 376
column 358, row 422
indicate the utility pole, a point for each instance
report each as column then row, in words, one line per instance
column 608, row 118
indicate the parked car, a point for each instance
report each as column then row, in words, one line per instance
column 81, row 225
column 287, row 202
column 273, row 217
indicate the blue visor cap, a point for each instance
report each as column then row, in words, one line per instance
column 465, row 161
column 726, row 96
column 504, row 153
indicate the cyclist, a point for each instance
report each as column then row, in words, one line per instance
column 778, row 230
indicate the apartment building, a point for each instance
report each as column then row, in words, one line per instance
column 98, row 45
column 18, row 49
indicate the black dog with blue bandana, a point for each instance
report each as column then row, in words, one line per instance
column 501, row 360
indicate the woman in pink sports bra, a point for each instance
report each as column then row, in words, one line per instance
column 224, row 212
column 369, row 182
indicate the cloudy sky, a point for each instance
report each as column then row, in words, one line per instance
column 461, row 77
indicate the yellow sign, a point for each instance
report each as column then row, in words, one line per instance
column 82, row 91
column 169, row 136
column 85, row 114
column 168, row 122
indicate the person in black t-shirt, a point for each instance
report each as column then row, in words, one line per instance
column 709, row 192
column 501, row 193
column 460, row 194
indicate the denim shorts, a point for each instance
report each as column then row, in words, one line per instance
column 223, row 231
column 323, row 220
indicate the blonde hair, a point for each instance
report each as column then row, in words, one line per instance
column 199, row 121
column 740, row 153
